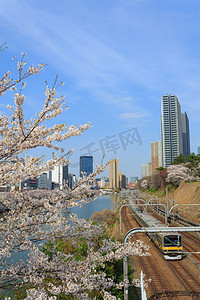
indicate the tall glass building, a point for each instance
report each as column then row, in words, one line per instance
column 86, row 165
column 185, row 134
column 174, row 130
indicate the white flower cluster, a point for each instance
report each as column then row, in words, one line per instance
column 38, row 294
column 75, row 276
column 144, row 184
column 108, row 296
column 37, row 220
column 178, row 173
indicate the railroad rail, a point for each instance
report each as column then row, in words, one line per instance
column 157, row 289
column 159, row 282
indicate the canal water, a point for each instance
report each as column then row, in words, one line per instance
column 100, row 203
column 86, row 211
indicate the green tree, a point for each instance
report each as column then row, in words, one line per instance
column 179, row 160
column 193, row 159
column 161, row 169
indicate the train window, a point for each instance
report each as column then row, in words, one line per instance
column 172, row 240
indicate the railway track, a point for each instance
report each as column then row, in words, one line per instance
column 163, row 284
column 158, row 285
column 191, row 242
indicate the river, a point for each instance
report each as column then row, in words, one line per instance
column 86, row 211
column 100, row 203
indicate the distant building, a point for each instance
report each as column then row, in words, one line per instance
column 198, row 150
column 185, row 135
column 86, row 165
column 156, row 156
column 104, row 182
column 114, row 173
column 146, row 170
column 4, row 188
column 97, row 183
column 29, row 184
column 134, row 179
column 122, row 180
column 174, row 130
column 59, row 175
column 71, row 181
column 132, row 186
column 65, row 174
column 44, row 182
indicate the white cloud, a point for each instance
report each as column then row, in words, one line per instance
column 133, row 115
column 128, row 99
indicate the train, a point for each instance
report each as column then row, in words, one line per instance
column 170, row 244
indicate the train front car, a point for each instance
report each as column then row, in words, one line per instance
column 169, row 244
column 172, row 246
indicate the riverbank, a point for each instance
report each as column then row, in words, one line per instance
column 111, row 220
column 112, row 223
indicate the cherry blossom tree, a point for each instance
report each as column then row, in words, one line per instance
column 178, row 173
column 66, row 256
column 144, row 184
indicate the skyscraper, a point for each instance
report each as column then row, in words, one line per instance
column 185, row 134
column 198, row 150
column 114, row 173
column 174, row 129
column 156, row 156
column 59, row 175
column 122, row 180
column 146, row 170
column 86, row 165
column 71, row 181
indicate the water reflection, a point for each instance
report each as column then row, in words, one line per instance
column 99, row 204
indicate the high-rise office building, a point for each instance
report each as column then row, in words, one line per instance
column 185, row 134
column 114, row 173
column 156, row 156
column 71, row 180
column 59, row 175
column 86, row 165
column 174, row 126
column 146, row 170
column 122, row 180
column 65, row 173
column 198, row 150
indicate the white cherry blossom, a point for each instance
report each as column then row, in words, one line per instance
column 38, row 219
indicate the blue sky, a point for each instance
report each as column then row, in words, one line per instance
column 117, row 59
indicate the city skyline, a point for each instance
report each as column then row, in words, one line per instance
column 117, row 59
